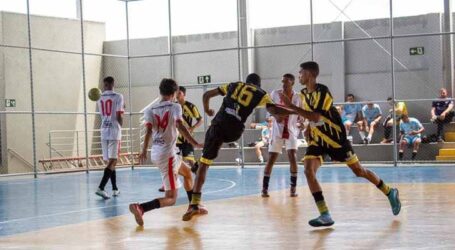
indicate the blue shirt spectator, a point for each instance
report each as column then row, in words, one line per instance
column 371, row 111
column 410, row 126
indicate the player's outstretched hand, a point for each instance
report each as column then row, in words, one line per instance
column 285, row 100
column 210, row 112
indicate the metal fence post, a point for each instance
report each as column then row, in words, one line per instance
column 392, row 61
column 32, row 92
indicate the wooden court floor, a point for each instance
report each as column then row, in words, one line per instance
column 363, row 220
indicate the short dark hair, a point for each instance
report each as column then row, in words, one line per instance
column 254, row 78
column 168, row 86
column 183, row 89
column 289, row 76
column 350, row 95
column 109, row 80
column 311, row 66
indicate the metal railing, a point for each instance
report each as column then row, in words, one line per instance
column 69, row 143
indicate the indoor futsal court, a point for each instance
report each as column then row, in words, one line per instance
column 227, row 124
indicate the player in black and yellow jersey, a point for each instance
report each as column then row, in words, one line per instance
column 240, row 99
column 328, row 137
column 190, row 114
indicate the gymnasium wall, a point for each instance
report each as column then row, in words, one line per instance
column 57, row 81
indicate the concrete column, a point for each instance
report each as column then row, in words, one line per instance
column 447, row 56
column 244, row 39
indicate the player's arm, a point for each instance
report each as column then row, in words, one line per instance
column 186, row 134
column 120, row 110
column 145, row 145
column 198, row 117
column 120, row 118
column 311, row 116
column 206, row 100
column 421, row 129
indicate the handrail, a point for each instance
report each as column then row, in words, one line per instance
column 18, row 156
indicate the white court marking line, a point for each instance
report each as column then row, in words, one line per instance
column 233, row 184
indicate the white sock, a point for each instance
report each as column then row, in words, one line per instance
column 261, row 158
column 362, row 134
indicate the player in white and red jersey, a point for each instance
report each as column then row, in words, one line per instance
column 111, row 107
column 284, row 133
column 164, row 122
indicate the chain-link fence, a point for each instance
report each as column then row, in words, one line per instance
column 53, row 52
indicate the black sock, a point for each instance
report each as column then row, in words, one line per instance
column 400, row 155
column 293, row 179
column 114, row 180
column 107, row 174
column 190, row 195
column 265, row 182
column 414, row 155
column 318, row 196
column 147, row 206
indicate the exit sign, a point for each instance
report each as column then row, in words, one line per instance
column 10, row 103
column 416, row 51
column 204, row 79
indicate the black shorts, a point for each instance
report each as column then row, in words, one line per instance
column 186, row 149
column 215, row 136
column 344, row 154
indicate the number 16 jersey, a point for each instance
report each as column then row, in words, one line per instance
column 162, row 118
column 239, row 102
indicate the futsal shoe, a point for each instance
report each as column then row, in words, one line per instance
column 294, row 192
column 161, row 189
column 265, row 193
column 102, row 194
column 203, row 210
column 324, row 220
column 137, row 211
column 394, row 200
column 192, row 211
column 115, row 192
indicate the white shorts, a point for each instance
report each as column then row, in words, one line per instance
column 111, row 149
column 169, row 169
column 276, row 144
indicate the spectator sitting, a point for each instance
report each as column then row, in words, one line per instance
column 351, row 113
column 411, row 130
column 372, row 115
column 265, row 136
column 442, row 112
column 400, row 110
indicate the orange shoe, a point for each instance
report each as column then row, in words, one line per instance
column 137, row 211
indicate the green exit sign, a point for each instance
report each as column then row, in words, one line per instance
column 10, row 103
column 204, row 79
column 416, row 51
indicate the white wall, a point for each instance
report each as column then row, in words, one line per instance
column 57, row 81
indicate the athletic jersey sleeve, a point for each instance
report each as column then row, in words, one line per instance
column 148, row 118
column 324, row 100
column 364, row 110
column 196, row 113
column 223, row 89
column 177, row 112
column 418, row 124
column 265, row 100
column 120, row 107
